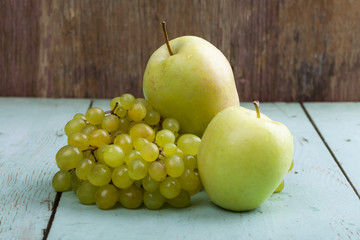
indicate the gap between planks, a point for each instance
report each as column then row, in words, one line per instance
column 329, row 149
column 56, row 202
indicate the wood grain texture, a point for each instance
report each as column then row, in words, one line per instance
column 279, row 50
column 31, row 132
column 339, row 124
column 317, row 203
column 19, row 48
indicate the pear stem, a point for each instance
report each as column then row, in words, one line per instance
column 166, row 38
column 257, row 108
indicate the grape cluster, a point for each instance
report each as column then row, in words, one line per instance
column 129, row 154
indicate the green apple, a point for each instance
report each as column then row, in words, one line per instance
column 243, row 157
column 190, row 80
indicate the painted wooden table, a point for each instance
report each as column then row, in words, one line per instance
column 320, row 199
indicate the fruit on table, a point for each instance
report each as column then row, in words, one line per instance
column 190, row 80
column 61, row 181
column 118, row 156
column 243, row 158
column 68, row 157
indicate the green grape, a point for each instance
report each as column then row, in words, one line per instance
column 189, row 180
column 139, row 142
column 113, row 103
column 80, row 116
column 190, row 162
column 133, row 154
column 120, row 112
column 132, row 123
column 157, row 171
column 280, row 187
column 99, row 153
column 164, row 137
column 137, row 112
column 170, row 149
column 189, row 144
column 129, row 119
column 99, row 137
column 74, row 181
column 61, row 181
column 145, row 103
column 83, row 168
column 291, row 166
column 124, row 125
column 79, row 140
column 126, row 101
column 149, row 184
column 124, row 141
column 95, row 115
column 120, row 177
column 193, row 192
column 137, row 169
column 113, row 156
column 174, row 166
column 171, row 124
column 153, row 200
column 180, row 153
column 149, row 152
column 74, row 125
column 106, row 196
column 86, row 192
column 131, row 197
column 68, row 157
column 180, row 201
column 152, row 117
column 170, row 187
column 89, row 128
column 99, row 175
column 142, row 130
column 110, row 123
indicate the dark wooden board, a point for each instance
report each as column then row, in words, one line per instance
column 279, row 50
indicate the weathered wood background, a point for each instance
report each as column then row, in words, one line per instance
column 293, row 50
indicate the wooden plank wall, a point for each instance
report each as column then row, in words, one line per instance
column 293, row 50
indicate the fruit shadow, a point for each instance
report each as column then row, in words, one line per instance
column 200, row 209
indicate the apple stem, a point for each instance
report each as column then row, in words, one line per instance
column 257, row 108
column 166, row 38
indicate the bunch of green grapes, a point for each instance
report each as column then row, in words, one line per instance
column 130, row 155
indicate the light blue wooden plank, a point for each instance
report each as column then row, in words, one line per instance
column 317, row 203
column 31, row 131
column 339, row 124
